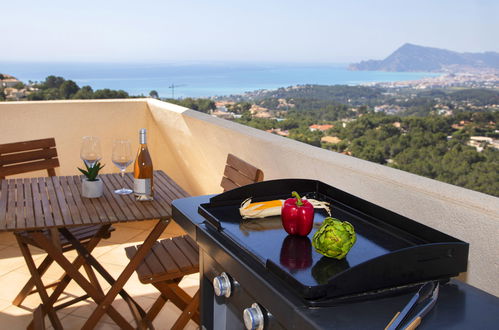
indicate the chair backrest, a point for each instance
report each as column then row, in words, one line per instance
column 239, row 173
column 28, row 156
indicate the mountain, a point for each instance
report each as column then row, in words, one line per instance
column 411, row 57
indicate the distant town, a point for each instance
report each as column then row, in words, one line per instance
column 12, row 89
column 485, row 78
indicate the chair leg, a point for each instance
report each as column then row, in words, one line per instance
column 39, row 284
column 187, row 313
column 92, row 277
column 29, row 287
column 155, row 309
column 174, row 293
column 26, row 290
column 38, row 318
column 181, row 299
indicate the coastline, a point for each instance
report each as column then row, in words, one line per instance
column 202, row 80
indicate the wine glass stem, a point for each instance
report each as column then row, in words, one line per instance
column 123, row 177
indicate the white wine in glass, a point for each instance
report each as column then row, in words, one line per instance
column 122, row 158
column 90, row 151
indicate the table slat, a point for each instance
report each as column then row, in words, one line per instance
column 111, row 199
column 3, row 198
column 20, row 217
column 163, row 185
column 10, row 218
column 144, row 206
column 161, row 195
column 148, row 208
column 172, row 186
column 65, row 193
column 30, row 217
column 130, row 202
column 129, row 199
column 72, row 184
column 105, row 207
column 60, row 195
column 37, row 204
column 59, row 209
column 86, row 202
column 46, row 209
column 125, row 212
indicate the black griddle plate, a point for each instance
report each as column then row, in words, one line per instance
column 391, row 250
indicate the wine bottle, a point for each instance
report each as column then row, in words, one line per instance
column 142, row 171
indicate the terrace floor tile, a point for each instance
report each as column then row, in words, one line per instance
column 111, row 254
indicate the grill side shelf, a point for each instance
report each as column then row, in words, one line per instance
column 210, row 218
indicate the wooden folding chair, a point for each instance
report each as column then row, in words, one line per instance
column 239, row 173
column 34, row 155
column 172, row 259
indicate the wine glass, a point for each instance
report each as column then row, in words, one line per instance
column 90, row 151
column 122, row 157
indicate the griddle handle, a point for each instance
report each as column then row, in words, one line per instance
column 265, row 188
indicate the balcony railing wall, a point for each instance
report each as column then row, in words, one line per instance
column 192, row 148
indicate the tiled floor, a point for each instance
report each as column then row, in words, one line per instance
column 111, row 254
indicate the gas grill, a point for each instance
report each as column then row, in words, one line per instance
column 255, row 275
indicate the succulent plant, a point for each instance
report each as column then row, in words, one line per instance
column 334, row 238
column 91, row 172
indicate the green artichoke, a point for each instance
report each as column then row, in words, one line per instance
column 334, row 238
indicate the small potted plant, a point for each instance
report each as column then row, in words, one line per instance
column 91, row 185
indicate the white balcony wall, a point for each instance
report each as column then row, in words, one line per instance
column 192, row 148
column 69, row 121
column 201, row 144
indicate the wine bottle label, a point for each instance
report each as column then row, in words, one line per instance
column 142, row 186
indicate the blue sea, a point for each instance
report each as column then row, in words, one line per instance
column 200, row 80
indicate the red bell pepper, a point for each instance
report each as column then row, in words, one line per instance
column 297, row 215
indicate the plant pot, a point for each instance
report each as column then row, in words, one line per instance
column 92, row 189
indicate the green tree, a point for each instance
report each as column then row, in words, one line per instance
column 205, row 105
column 107, row 93
column 68, row 88
column 303, row 134
column 154, row 94
column 53, row 82
column 239, row 107
column 36, row 96
column 86, row 92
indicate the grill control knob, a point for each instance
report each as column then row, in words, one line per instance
column 253, row 317
column 222, row 286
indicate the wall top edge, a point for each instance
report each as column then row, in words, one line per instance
column 134, row 100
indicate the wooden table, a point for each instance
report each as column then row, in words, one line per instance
column 37, row 204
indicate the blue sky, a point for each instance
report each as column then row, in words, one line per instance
column 232, row 30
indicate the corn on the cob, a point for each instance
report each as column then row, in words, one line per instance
column 260, row 209
column 250, row 210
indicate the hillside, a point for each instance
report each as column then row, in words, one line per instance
column 335, row 93
column 415, row 58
